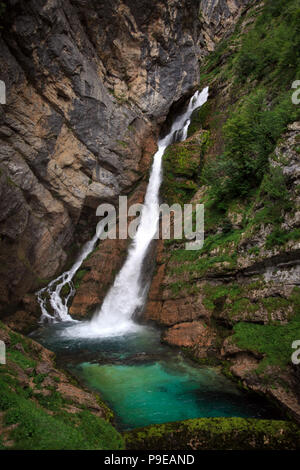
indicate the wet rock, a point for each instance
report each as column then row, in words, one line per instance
column 194, row 335
column 22, row 321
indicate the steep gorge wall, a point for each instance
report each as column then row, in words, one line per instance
column 99, row 270
column 218, row 19
column 87, row 85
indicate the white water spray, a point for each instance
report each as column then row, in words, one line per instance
column 52, row 293
column 127, row 295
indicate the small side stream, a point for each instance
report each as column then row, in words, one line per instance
column 146, row 382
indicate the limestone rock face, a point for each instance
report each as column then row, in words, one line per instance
column 218, row 19
column 87, row 85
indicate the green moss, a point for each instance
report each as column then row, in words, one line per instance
column 192, row 263
column 215, row 293
column 79, row 277
column 52, row 401
column 231, row 301
column 182, row 287
column 39, row 379
column 20, row 359
column 109, row 414
column 216, row 434
column 37, row 418
column 182, row 166
column 15, row 339
column 38, row 430
column 273, row 341
column 279, row 237
column 199, row 118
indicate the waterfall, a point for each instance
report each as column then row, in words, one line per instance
column 52, row 294
column 127, row 295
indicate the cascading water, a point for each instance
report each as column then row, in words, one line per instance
column 127, row 294
column 52, row 293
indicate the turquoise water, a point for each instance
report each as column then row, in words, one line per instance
column 145, row 382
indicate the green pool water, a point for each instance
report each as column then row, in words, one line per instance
column 145, row 382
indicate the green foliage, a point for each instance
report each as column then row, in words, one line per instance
column 235, row 302
column 33, row 420
column 213, row 294
column 274, row 341
column 7, row 397
column 275, row 194
column 19, row 358
column 38, row 430
column 18, row 339
column 262, row 64
column 280, row 237
column 79, row 276
column 270, row 51
column 199, row 118
column 251, row 134
column 52, row 401
column 39, row 379
column 199, row 266
column 182, row 166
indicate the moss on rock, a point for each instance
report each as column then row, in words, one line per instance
column 182, row 166
column 216, row 434
column 40, row 407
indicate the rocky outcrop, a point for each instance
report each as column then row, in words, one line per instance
column 216, row 434
column 45, row 365
column 218, row 19
column 37, row 399
column 196, row 335
column 280, row 385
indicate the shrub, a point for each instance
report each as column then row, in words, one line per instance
column 251, row 134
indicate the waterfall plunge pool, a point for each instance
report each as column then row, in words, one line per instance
column 145, row 382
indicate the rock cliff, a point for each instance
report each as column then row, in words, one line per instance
column 87, row 85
